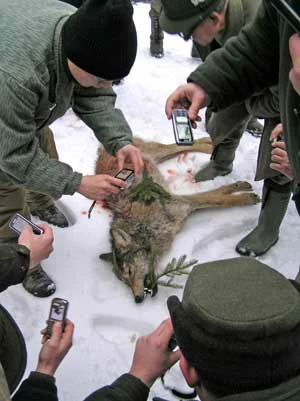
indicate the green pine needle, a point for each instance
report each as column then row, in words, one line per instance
column 148, row 191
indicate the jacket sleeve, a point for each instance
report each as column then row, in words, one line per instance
column 38, row 387
column 125, row 388
column 14, row 263
column 247, row 63
column 96, row 107
column 21, row 157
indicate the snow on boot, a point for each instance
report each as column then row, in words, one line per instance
column 51, row 215
column 266, row 233
column 38, row 283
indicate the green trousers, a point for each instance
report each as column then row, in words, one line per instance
column 15, row 199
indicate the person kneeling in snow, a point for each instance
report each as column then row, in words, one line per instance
column 238, row 332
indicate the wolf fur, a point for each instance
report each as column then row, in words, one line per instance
column 142, row 233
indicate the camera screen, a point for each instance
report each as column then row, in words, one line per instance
column 184, row 133
column 123, row 174
column 57, row 312
column 19, row 223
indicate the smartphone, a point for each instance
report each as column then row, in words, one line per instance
column 182, row 127
column 126, row 175
column 290, row 11
column 58, row 313
column 18, row 222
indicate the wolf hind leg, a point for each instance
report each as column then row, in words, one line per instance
column 160, row 152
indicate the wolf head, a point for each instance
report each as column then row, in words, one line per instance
column 133, row 257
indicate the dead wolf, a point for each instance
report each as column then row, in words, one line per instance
column 142, row 231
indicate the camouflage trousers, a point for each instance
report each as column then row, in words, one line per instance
column 15, row 199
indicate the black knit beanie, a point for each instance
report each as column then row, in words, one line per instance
column 100, row 38
column 238, row 325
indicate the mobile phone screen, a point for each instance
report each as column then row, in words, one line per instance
column 184, row 133
column 58, row 311
column 124, row 174
column 19, row 223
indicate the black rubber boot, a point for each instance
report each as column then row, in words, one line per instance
column 221, row 162
column 275, row 201
column 51, row 215
column 156, row 37
column 38, row 283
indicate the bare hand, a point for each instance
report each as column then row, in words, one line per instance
column 100, row 186
column 40, row 246
column 131, row 154
column 294, row 45
column 279, row 157
column 191, row 93
column 151, row 357
column 54, row 349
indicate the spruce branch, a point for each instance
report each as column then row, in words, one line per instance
column 147, row 191
column 174, row 268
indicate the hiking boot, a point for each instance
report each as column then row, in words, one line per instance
column 156, row 37
column 254, row 127
column 38, row 283
column 266, row 233
column 51, row 215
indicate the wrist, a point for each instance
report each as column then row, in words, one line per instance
column 45, row 369
column 142, row 376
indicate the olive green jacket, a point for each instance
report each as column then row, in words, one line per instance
column 257, row 58
column 36, row 89
column 129, row 388
column 14, row 263
column 238, row 14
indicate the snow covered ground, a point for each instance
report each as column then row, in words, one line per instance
column 107, row 320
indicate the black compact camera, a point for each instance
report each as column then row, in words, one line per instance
column 182, row 127
column 58, row 313
column 18, row 222
column 290, row 10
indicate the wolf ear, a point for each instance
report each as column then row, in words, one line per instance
column 107, row 257
column 121, row 238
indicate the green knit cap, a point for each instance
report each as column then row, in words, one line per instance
column 239, row 324
column 178, row 16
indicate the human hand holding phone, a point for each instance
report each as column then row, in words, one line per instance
column 54, row 349
column 40, row 246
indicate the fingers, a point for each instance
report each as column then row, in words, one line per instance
column 294, row 45
column 276, row 132
column 48, row 232
column 294, row 76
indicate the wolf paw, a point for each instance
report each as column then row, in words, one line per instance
column 243, row 186
column 253, row 198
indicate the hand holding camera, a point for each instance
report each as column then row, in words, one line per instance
column 57, row 337
column 182, row 127
column 152, row 358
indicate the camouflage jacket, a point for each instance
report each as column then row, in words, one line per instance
column 257, row 58
column 37, row 89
